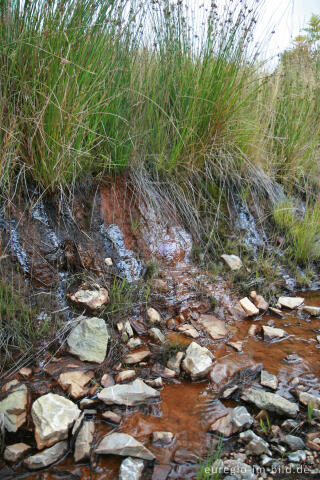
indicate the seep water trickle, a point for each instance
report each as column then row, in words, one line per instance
column 128, row 265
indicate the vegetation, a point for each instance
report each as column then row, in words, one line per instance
column 210, row 468
column 92, row 88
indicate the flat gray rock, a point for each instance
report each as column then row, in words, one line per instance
column 14, row 407
column 128, row 394
column 47, row 457
column 270, row 401
column 124, row 445
column 89, row 340
column 268, row 380
column 83, row 441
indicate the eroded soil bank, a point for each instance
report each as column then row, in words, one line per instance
column 52, row 252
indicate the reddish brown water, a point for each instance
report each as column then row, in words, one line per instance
column 186, row 409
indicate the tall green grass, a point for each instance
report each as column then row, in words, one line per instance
column 89, row 88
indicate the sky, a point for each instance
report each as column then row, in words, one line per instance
column 286, row 17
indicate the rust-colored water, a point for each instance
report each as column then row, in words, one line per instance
column 186, row 409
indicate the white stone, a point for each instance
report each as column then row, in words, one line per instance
column 124, row 445
column 131, row 469
column 92, row 299
column 83, row 442
column 153, row 315
column 14, row 453
column 233, row 261
column 157, row 335
column 248, row 307
column 89, row 340
column 291, row 302
column 198, row 361
column 216, row 328
column 270, row 333
column 268, row 380
column 314, row 311
column 47, row 457
column 128, row 394
column 53, row 415
column 14, row 406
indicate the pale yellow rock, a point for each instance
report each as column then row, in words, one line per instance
column 14, row 406
column 216, row 328
column 153, row 315
column 74, row 382
column 53, row 415
column 291, row 302
column 248, row 307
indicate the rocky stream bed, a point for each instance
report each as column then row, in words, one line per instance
column 152, row 394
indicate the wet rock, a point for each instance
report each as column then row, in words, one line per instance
column 137, row 356
column 92, row 299
column 233, row 261
column 259, row 301
column 265, row 460
column 134, row 343
column 256, row 445
column 270, row 333
column 111, row 417
column 232, row 423
column 87, row 402
column 153, row 315
column 125, row 376
column 237, row 346
column 82, row 446
column 291, row 302
column 318, row 338
column 162, row 437
column 229, row 391
column 293, row 442
column 162, row 371
column 293, row 358
column 74, row 382
column 313, row 311
column 198, row 361
column 124, row 445
column 183, row 455
column 188, row 330
column 14, row 406
column 47, row 457
column 53, row 415
column 128, row 394
column 215, row 327
column 14, row 453
column 289, row 425
column 276, row 312
column 89, row 340
column 107, row 380
column 253, row 330
column 158, row 285
column 242, row 470
column 157, row 335
column 156, row 383
column 268, row 380
column 248, row 307
column 297, row 457
column 131, row 469
column 174, row 363
column 161, row 472
column 270, row 401
column 309, row 399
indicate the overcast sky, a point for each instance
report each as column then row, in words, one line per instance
column 286, row 17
